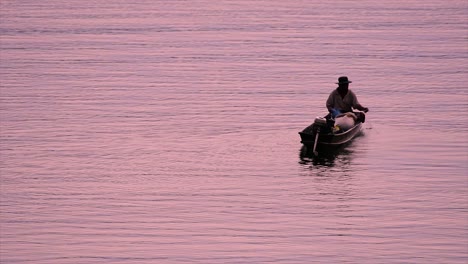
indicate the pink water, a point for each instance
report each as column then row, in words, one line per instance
column 166, row 132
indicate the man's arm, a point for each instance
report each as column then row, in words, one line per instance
column 357, row 105
column 361, row 108
column 330, row 103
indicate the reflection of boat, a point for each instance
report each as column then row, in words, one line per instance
column 324, row 133
column 340, row 156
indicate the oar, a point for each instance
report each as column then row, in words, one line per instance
column 315, row 141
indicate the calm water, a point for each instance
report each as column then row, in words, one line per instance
column 166, row 132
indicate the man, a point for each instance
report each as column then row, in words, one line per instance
column 343, row 100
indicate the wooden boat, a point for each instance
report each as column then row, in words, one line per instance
column 323, row 133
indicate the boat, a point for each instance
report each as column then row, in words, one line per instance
column 326, row 133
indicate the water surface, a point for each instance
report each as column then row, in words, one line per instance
column 166, row 132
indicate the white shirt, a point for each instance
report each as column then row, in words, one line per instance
column 344, row 104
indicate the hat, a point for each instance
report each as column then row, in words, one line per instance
column 343, row 79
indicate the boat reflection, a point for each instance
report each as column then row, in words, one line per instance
column 329, row 158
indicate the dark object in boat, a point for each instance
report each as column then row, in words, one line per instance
column 324, row 134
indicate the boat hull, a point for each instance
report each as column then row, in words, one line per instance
column 326, row 138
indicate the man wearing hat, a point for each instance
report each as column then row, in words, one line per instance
column 342, row 99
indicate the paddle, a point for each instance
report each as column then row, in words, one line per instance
column 315, row 142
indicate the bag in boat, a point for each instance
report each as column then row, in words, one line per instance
column 345, row 121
